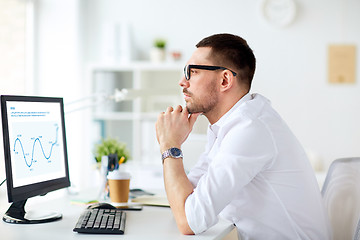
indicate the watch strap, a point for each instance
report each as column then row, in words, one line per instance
column 169, row 153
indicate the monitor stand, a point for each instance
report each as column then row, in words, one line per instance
column 16, row 214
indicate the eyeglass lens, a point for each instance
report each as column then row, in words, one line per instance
column 187, row 72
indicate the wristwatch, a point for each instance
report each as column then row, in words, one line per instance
column 172, row 152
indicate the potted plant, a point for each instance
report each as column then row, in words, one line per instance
column 109, row 155
column 160, row 43
column 111, row 146
column 158, row 52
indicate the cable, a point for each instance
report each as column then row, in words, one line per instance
column 2, row 182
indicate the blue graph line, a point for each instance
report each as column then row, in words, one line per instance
column 33, row 148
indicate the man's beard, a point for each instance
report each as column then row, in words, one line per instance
column 203, row 105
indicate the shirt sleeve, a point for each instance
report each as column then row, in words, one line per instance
column 202, row 164
column 198, row 170
column 243, row 152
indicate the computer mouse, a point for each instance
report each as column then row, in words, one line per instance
column 101, row 205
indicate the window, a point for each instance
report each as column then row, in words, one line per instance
column 14, row 45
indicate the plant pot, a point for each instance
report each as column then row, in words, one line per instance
column 157, row 55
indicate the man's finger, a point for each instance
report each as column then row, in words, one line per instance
column 178, row 108
column 193, row 118
column 169, row 109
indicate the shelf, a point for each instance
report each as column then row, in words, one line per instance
column 152, row 88
column 138, row 65
column 125, row 116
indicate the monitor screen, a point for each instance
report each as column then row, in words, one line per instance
column 34, row 146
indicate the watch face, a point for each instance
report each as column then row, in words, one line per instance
column 175, row 152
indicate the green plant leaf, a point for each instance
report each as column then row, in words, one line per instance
column 160, row 43
column 111, row 146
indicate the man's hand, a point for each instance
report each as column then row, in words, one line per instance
column 174, row 126
column 172, row 129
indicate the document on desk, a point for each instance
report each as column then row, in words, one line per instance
column 155, row 200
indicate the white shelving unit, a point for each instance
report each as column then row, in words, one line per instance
column 133, row 121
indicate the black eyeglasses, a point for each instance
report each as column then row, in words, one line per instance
column 187, row 69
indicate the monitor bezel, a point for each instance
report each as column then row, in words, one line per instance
column 41, row 188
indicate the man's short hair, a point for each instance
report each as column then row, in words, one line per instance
column 232, row 52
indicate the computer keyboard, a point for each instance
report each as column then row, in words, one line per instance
column 103, row 221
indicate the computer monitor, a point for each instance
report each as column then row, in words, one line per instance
column 35, row 152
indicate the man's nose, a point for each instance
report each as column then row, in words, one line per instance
column 184, row 83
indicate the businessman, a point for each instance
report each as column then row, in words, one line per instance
column 253, row 172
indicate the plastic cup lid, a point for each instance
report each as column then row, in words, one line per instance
column 118, row 175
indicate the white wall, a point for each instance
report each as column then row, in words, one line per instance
column 291, row 61
column 58, row 72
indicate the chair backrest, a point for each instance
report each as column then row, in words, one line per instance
column 357, row 233
column 341, row 195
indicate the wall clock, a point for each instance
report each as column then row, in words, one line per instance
column 279, row 12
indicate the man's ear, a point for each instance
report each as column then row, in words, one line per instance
column 227, row 80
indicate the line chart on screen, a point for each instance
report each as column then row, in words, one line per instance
column 36, row 150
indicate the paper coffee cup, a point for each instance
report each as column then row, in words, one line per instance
column 119, row 184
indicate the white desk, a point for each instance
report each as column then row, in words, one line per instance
column 150, row 223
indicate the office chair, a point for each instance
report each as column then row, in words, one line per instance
column 341, row 195
column 357, row 233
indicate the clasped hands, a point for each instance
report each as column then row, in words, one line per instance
column 174, row 126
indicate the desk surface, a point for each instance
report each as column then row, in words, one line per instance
column 150, row 223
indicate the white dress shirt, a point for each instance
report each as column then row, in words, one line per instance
column 255, row 174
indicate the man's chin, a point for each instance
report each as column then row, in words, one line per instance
column 191, row 111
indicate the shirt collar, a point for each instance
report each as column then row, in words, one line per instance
column 214, row 128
